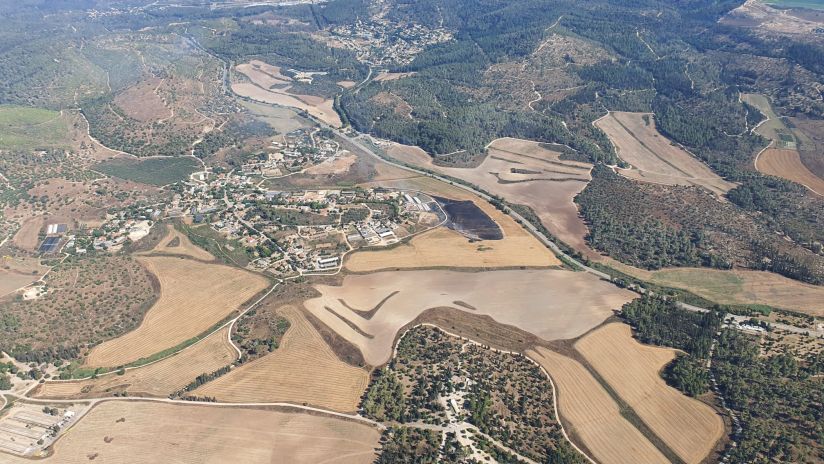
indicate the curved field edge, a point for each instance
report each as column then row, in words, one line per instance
column 194, row 296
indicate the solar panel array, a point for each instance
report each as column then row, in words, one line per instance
column 49, row 245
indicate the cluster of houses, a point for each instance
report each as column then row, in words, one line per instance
column 296, row 151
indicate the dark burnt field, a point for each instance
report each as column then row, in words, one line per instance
column 466, row 218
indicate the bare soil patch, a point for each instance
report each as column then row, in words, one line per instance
column 552, row 304
column 142, row 103
column 592, row 416
column 653, row 157
column 193, row 297
column 689, row 427
column 303, row 370
column 158, row 379
column 136, row 431
column 27, row 236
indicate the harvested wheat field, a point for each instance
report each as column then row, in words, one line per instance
column 177, row 243
column 302, row 370
column 125, row 432
column 194, row 296
column 689, row 427
column 653, row 157
column 592, row 416
column 17, row 272
column 369, row 309
column 263, row 74
column 517, row 248
column 787, row 164
column 527, row 173
column 157, row 379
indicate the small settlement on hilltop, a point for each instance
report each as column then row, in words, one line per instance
column 281, row 232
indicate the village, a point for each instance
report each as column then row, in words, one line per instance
column 284, row 233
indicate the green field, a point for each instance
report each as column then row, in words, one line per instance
column 27, row 128
column 155, row 171
column 812, row 4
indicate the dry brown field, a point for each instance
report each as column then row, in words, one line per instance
column 369, row 309
column 142, row 103
column 756, row 14
column 340, row 165
column 507, row 252
column 347, row 84
column 157, row 379
column 689, row 427
column 264, row 77
column 653, row 157
column 193, row 297
column 524, row 172
column 787, row 164
column 303, row 370
column 391, row 76
column 18, row 271
column 591, row 415
column 738, row 286
column 178, row 243
column 27, row 236
column 126, row 432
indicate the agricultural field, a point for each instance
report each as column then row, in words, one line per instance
column 368, row 310
column 737, row 286
column 527, row 173
column 787, row 164
column 178, row 243
column 303, row 369
column 159, row 379
column 194, row 296
column 592, row 416
column 652, row 157
column 23, row 128
column 772, row 126
column 690, row 428
column 82, row 301
column 268, row 85
column 155, row 171
column 121, row 431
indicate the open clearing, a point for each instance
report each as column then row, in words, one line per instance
column 592, row 416
column 27, row 236
column 653, row 157
column 270, row 86
column 770, row 127
column 436, row 248
column 787, row 164
column 689, row 427
column 142, row 103
column 177, row 243
column 523, row 172
column 738, row 286
column 27, row 128
column 122, row 432
column 194, row 296
column 369, row 309
column 158, row 379
column 302, row 370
